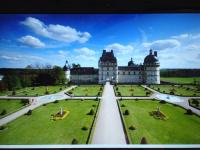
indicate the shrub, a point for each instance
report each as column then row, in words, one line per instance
column 56, row 101
column 70, row 92
column 97, row 98
column 189, row 112
column 119, row 93
column 123, row 105
column 171, row 92
column 44, row 104
column 158, row 89
column 2, row 127
column 162, row 102
column 74, row 141
column 143, row 141
column 147, row 93
column 126, row 112
column 132, row 128
column 60, row 88
column 33, row 88
column 163, row 91
column 98, row 93
column 47, row 92
column 101, row 88
column 116, row 88
column 84, row 128
column 36, row 94
column 132, row 94
column 3, row 112
column 29, row 112
column 13, row 92
column 145, row 89
column 93, row 105
column 24, row 102
column 91, row 112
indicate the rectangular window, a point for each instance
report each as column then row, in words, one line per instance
column 123, row 73
column 107, row 73
column 129, row 73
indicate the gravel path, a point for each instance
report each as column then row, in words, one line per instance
column 109, row 129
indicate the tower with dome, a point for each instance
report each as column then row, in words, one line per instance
column 108, row 70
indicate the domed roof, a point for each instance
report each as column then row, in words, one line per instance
column 131, row 63
column 65, row 68
column 151, row 59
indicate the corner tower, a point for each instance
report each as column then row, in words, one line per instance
column 108, row 67
column 151, row 68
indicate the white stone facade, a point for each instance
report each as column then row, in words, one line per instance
column 148, row 73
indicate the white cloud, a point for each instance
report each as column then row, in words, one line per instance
column 119, row 48
column 31, row 41
column 162, row 44
column 181, row 36
column 56, row 31
column 85, row 51
column 11, row 57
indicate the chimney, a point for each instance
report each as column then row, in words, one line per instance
column 104, row 51
column 111, row 51
column 150, row 52
column 155, row 53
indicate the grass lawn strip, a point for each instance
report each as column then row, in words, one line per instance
column 179, row 128
column 10, row 105
column 38, row 91
column 181, row 80
column 180, row 90
column 130, row 90
column 87, row 90
column 38, row 128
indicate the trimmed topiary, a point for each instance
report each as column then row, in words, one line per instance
column 91, row 112
column 163, row 102
column 126, row 112
column 56, row 101
column 123, row 105
column 132, row 128
column 189, row 112
column 3, row 112
column 74, row 141
column 143, row 141
column 93, row 105
column 84, row 128
column 29, row 112
column 2, row 127
column 13, row 92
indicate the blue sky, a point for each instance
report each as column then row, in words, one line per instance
column 52, row 39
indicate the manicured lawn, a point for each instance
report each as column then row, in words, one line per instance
column 195, row 102
column 38, row 91
column 38, row 128
column 181, row 80
column 87, row 90
column 182, row 90
column 130, row 90
column 179, row 128
column 10, row 106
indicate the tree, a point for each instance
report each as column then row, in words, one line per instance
column 12, row 82
column 76, row 65
column 58, row 75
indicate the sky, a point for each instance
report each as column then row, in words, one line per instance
column 27, row 39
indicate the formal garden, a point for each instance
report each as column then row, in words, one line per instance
column 180, row 90
column 131, row 90
column 181, row 80
column 36, row 91
column 159, row 122
column 40, row 127
column 8, row 106
column 87, row 90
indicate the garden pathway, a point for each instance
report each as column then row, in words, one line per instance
column 108, row 129
column 37, row 101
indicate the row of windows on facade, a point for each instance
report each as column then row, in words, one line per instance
column 122, row 73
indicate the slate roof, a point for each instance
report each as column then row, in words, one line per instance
column 84, row 71
column 130, row 68
column 108, row 57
